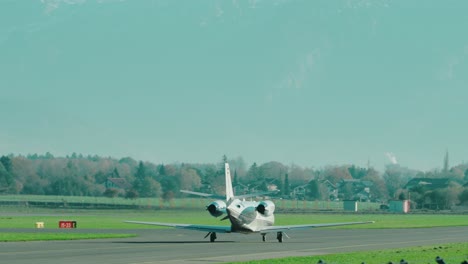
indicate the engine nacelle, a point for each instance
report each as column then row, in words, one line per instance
column 266, row 208
column 217, row 208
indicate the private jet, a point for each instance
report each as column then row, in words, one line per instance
column 246, row 217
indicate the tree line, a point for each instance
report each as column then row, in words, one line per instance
column 80, row 175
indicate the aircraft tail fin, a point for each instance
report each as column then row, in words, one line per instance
column 229, row 191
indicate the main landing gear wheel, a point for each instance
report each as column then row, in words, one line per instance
column 212, row 237
column 279, row 236
column 263, row 237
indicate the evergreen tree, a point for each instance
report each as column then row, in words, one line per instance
column 6, row 179
column 141, row 172
column 314, row 190
column 235, row 182
column 286, row 185
column 356, row 172
column 162, row 170
column 281, row 185
column 144, row 185
column 139, row 182
column 446, row 162
column 221, row 171
column 116, row 173
column 6, row 161
column 402, row 196
column 253, row 173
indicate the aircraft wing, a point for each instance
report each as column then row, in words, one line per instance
column 205, row 228
column 268, row 229
column 206, row 195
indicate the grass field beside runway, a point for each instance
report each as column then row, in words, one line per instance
column 114, row 219
column 382, row 221
column 103, row 219
column 450, row 253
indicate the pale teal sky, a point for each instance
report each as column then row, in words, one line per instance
column 308, row 82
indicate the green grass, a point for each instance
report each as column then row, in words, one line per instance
column 451, row 253
column 104, row 219
column 114, row 219
column 95, row 219
column 9, row 237
column 381, row 220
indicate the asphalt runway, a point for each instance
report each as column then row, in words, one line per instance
column 186, row 246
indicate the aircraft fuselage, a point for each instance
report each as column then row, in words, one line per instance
column 245, row 218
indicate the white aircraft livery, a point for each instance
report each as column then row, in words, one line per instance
column 245, row 216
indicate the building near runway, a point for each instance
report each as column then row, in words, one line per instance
column 399, row 206
column 350, row 205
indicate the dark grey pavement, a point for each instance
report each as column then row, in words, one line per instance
column 185, row 246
